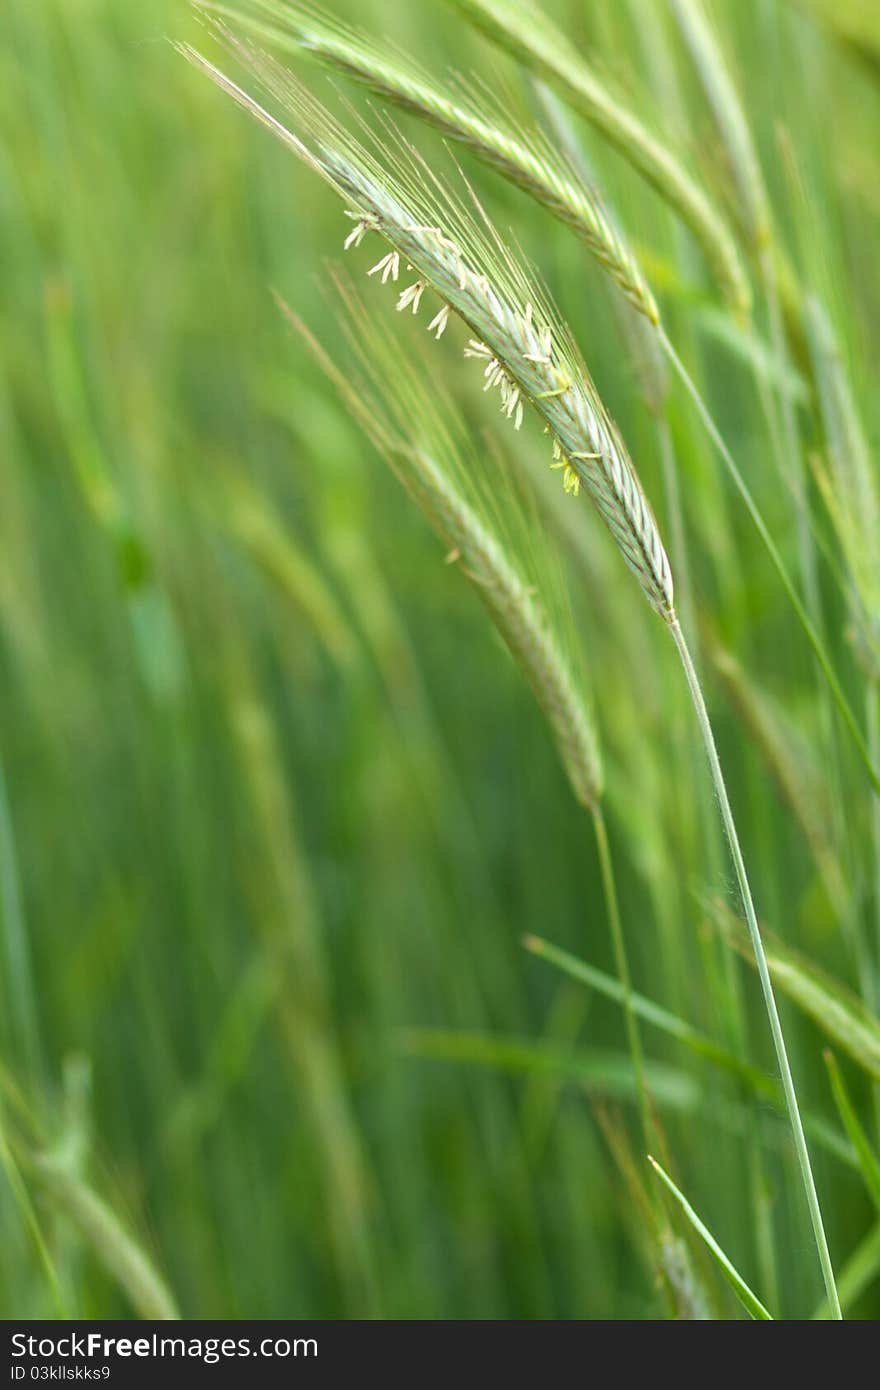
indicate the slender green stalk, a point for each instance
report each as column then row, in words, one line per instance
column 794, row 598
column 791, row 1101
column 872, row 699
column 869, row 1163
column 621, row 962
column 750, row 1301
column 762, row 1204
column 797, row 775
column 791, row 450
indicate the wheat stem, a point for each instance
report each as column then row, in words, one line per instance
column 872, row 698
column 791, row 1101
column 621, row 961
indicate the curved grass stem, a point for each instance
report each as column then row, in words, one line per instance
column 791, row 1101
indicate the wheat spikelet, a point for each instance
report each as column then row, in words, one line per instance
column 527, row 159
column 524, row 349
column 519, row 27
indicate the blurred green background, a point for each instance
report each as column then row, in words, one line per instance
column 274, row 800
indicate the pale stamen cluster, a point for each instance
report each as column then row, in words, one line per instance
column 495, row 375
column 439, row 322
column 570, row 481
column 363, row 224
column 411, row 297
column 389, row 266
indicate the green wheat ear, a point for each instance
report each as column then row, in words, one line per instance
column 520, row 27
column 524, row 156
column 524, row 349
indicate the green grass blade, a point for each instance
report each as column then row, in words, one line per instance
column 750, row 1301
column 758, row 1082
column 607, row 1072
column 654, row 1014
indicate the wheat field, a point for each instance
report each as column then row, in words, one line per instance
column 440, row 651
